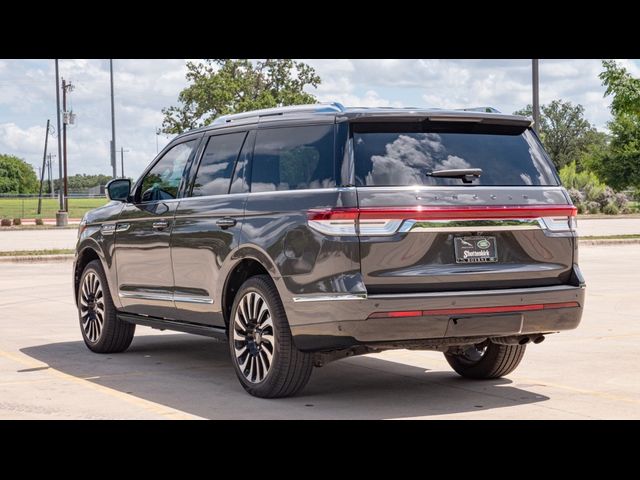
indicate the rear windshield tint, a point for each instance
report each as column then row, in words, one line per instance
column 402, row 154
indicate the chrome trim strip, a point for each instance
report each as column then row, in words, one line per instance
column 304, row 190
column 330, row 298
column 486, row 225
column 163, row 297
column 193, row 299
column 108, row 229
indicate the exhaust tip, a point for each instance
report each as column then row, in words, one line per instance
column 524, row 341
column 539, row 339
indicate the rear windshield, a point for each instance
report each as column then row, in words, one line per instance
column 402, row 154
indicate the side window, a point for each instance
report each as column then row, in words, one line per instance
column 216, row 166
column 293, row 158
column 163, row 180
column 239, row 182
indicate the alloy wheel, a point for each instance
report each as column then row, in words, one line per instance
column 253, row 337
column 92, row 307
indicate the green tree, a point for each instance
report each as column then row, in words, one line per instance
column 84, row 181
column 624, row 88
column 565, row 133
column 17, row 176
column 222, row 86
column 619, row 165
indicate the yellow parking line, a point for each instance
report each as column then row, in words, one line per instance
column 156, row 408
column 595, row 393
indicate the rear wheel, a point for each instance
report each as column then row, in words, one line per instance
column 264, row 357
column 485, row 360
column 101, row 329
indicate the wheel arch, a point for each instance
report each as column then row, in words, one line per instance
column 86, row 255
column 246, row 268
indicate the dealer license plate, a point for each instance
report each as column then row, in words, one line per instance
column 475, row 249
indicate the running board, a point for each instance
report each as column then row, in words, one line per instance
column 161, row 324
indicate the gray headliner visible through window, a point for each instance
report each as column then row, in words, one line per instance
column 392, row 158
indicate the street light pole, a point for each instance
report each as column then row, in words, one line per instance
column 536, row 94
column 113, row 124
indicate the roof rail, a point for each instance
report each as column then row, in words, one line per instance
column 480, row 109
column 331, row 107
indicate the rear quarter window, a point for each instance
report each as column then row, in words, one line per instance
column 399, row 155
column 293, row 158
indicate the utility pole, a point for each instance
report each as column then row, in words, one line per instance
column 158, row 131
column 61, row 219
column 536, row 94
column 113, row 124
column 68, row 118
column 122, row 150
column 44, row 160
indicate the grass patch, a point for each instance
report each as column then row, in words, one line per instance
column 35, row 253
column 611, row 237
column 27, row 207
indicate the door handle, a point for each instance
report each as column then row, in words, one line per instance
column 160, row 225
column 226, row 222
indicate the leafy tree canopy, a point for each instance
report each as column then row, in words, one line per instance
column 566, row 134
column 619, row 165
column 17, row 176
column 223, row 86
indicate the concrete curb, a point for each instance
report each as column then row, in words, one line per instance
column 37, row 258
column 609, row 241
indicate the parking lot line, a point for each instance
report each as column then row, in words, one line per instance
column 152, row 407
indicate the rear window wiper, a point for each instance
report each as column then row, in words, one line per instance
column 467, row 175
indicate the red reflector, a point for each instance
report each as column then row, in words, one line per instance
column 549, row 306
column 475, row 310
column 462, row 311
column 409, row 313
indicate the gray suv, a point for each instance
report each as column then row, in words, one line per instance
column 307, row 234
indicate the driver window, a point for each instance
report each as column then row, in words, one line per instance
column 163, row 180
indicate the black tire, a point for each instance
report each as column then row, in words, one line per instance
column 496, row 361
column 114, row 335
column 289, row 369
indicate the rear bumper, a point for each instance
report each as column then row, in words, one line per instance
column 328, row 324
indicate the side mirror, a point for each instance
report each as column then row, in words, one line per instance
column 118, row 189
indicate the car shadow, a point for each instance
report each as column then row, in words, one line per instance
column 194, row 374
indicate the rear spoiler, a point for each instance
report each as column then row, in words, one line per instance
column 448, row 116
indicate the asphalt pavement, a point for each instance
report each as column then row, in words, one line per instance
column 47, row 372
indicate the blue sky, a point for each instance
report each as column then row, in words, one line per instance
column 144, row 87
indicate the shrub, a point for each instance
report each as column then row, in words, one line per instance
column 593, row 207
column 5, row 222
column 581, row 208
column 576, row 196
column 17, row 221
column 621, row 200
column 611, row 209
column 604, row 197
column 39, row 221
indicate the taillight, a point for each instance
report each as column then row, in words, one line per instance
column 366, row 221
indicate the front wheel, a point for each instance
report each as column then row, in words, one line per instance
column 264, row 357
column 102, row 330
column 485, row 360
